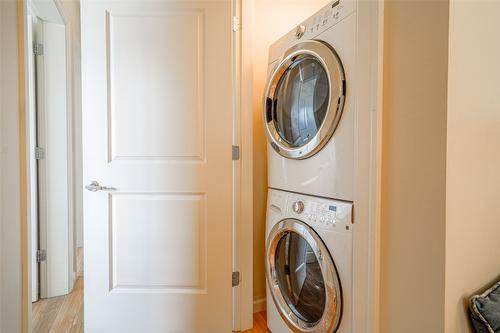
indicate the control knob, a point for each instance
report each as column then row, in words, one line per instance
column 301, row 30
column 298, row 207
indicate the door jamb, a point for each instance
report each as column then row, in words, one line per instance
column 243, row 137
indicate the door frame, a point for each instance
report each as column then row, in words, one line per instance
column 24, row 151
column 53, row 12
column 243, row 179
column 243, row 231
column 32, row 133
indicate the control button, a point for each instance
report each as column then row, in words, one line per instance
column 298, row 207
column 301, row 29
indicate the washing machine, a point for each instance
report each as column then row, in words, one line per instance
column 308, row 264
column 309, row 105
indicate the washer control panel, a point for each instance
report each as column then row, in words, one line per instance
column 322, row 213
column 328, row 16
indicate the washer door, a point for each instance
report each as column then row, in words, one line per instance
column 302, row 278
column 304, row 99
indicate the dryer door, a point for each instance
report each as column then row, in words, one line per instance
column 302, row 278
column 304, row 99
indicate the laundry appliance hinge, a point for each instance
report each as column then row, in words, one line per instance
column 37, row 48
column 236, row 23
column 236, row 279
column 41, row 255
column 236, row 153
column 39, row 153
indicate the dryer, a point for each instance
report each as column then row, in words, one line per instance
column 309, row 106
column 308, row 264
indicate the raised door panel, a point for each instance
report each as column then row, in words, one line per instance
column 158, row 243
column 156, row 107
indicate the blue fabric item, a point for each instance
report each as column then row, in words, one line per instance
column 485, row 310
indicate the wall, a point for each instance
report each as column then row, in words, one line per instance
column 272, row 19
column 10, row 256
column 473, row 180
column 413, row 167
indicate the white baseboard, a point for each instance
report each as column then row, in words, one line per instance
column 259, row 305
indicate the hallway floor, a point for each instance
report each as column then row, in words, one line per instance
column 64, row 314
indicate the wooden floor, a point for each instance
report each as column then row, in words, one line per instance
column 259, row 324
column 64, row 314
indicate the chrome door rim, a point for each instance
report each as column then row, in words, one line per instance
column 333, row 67
column 331, row 317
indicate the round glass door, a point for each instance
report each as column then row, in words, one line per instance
column 302, row 278
column 304, row 100
column 301, row 101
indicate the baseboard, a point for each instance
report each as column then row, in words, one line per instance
column 259, row 305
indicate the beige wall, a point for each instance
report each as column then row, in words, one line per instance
column 10, row 247
column 272, row 19
column 473, row 172
column 413, row 167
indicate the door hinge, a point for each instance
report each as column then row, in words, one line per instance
column 236, row 279
column 236, row 153
column 236, row 23
column 37, row 48
column 39, row 153
column 41, row 255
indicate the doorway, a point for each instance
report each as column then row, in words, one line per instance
column 191, row 286
column 55, row 266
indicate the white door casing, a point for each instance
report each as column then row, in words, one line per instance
column 32, row 163
column 157, row 131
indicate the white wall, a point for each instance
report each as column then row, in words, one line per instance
column 272, row 19
column 10, row 257
column 473, row 171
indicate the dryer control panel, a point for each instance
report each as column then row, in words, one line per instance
column 321, row 213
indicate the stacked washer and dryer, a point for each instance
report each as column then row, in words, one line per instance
column 310, row 122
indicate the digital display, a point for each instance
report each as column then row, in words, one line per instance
column 332, row 208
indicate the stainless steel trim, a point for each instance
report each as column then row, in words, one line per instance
column 330, row 320
column 323, row 53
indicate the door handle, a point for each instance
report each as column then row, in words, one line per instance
column 94, row 187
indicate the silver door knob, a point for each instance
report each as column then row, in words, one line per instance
column 94, row 187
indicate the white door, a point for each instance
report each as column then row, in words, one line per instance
column 157, row 133
column 55, row 236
